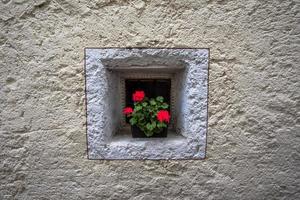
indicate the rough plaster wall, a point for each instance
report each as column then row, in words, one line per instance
column 253, row 139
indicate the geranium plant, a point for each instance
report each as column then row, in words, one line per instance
column 150, row 115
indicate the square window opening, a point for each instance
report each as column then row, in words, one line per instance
column 179, row 75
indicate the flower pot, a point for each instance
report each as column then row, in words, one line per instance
column 138, row 133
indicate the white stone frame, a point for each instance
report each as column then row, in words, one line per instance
column 103, row 103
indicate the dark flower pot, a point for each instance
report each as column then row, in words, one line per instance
column 138, row 133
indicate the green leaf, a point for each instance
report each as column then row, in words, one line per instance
column 152, row 102
column 144, row 104
column 149, row 127
column 159, row 125
column 137, row 108
column 160, row 98
column 148, row 133
column 153, row 124
column 165, row 106
column 133, row 121
column 141, row 117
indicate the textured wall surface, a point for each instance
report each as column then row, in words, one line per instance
column 253, row 139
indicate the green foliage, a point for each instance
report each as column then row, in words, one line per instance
column 144, row 115
column 133, row 121
column 160, row 99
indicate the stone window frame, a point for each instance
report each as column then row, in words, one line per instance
column 101, row 143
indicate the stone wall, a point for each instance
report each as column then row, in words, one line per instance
column 253, row 139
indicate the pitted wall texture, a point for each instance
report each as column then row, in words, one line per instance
column 253, row 136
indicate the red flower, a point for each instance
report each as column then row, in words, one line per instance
column 127, row 111
column 163, row 115
column 138, row 96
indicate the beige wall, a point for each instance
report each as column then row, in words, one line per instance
column 253, row 96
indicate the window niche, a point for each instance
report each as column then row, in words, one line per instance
column 179, row 75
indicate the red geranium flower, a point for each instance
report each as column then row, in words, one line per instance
column 163, row 115
column 138, row 96
column 127, row 110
